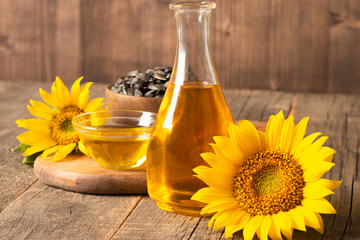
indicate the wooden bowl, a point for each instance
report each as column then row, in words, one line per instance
column 118, row 101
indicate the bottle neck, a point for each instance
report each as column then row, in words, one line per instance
column 193, row 63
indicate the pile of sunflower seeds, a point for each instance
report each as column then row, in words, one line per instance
column 152, row 83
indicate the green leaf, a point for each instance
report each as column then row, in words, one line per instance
column 21, row 148
column 29, row 160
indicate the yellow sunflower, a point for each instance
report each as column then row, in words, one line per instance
column 267, row 183
column 52, row 130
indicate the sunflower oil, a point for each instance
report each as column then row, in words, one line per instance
column 116, row 151
column 188, row 118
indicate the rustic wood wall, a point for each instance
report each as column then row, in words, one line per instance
column 293, row 45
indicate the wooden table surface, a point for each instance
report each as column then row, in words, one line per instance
column 30, row 209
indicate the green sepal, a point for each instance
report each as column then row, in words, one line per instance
column 21, row 148
column 29, row 160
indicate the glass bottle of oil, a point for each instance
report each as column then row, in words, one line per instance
column 193, row 110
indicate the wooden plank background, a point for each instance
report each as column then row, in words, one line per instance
column 292, row 45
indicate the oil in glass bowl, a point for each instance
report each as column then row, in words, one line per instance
column 116, row 139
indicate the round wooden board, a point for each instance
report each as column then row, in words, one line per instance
column 79, row 173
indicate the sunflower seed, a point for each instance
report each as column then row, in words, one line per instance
column 160, row 72
column 123, row 91
column 152, row 83
column 147, row 77
column 125, row 85
column 133, row 73
column 161, row 87
column 137, row 93
column 168, row 69
column 153, row 87
column 151, row 93
column 130, row 91
column 160, row 92
column 138, row 86
column 157, row 76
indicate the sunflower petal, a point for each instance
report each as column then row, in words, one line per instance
column 230, row 230
column 38, row 147
column 94, row 105
column 54, row 93
column 287, row 135
column 329, row 183
column 63, row 151
column 219, row 163
column 50, row 151
column 219, row 205
column 262, row 140
column 324, row 154
column 285, row 225
column 274, row 230
column 252, row 226
column 34, row 124
column 215, row 178
column 228, row 218
column 33, row 137
column 321, row 223
column 320, row 205
column 265, row 227
column 209, row 194
column 304, row 144
column 246, row 137
column 318, row 169
column 300, row 131
column 267, row 137
column 83, row 149
column 40, row 113
column 314, row 148
column 315, row 190
column 42, row 107
column 84, row 96
column 273, row 130
column 297, row 219
column 75, row 91
column 63, row 93
column 226, row 148
column 49, row 99
column 310, row 218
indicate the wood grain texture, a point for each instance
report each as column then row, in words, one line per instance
column 330, row 115
column 79, row 173
column 290, row 45
column 15, row 177
column 155, row 223
column 45, row 212
column 344, row 51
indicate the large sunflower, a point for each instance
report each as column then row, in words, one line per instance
column 267, row 182
column 52, row 130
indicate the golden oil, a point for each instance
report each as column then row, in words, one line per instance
column 188, row 118
column 119, row 149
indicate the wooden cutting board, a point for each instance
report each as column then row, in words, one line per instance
column 79, row 173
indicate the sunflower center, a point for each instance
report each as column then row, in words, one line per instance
column 62, row 130
column 269, row 182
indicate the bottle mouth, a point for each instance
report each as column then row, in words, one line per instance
column 197, row 6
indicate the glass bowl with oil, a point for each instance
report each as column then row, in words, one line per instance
column 116, row 139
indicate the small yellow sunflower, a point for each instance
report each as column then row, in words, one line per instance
column 52, row 130
column 267, row 183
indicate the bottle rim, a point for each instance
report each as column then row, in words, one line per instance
column 189, row 5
